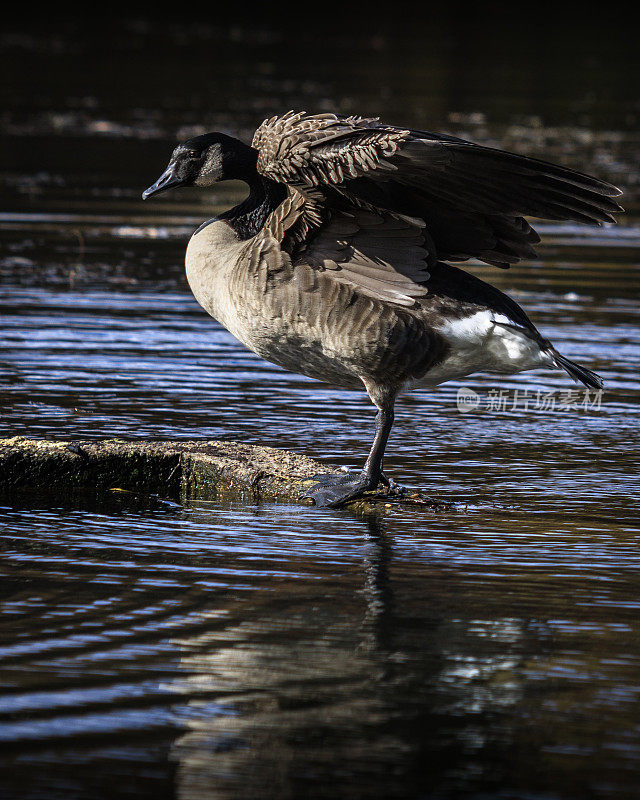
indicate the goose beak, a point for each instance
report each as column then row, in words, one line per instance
column 167, row 180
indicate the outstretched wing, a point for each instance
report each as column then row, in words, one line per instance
column 472, row 199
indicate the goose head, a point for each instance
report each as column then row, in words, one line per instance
column 205, row 160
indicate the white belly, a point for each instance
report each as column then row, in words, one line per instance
column 479, row 343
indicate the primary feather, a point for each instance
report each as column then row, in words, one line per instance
column 470, row 200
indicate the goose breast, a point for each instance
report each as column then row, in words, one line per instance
column 301, row 319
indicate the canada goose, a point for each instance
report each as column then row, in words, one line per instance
column 336, row 264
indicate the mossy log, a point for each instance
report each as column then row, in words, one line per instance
column 180, row 470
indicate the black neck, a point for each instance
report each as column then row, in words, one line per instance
column 249, row 216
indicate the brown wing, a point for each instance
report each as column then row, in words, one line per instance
column 312, row 150
column 471, row 198
column 382, row 255
column 264, row 254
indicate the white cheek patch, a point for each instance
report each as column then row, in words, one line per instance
column 211, row 170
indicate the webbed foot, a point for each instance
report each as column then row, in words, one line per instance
column 332, row 490
column 393, row 489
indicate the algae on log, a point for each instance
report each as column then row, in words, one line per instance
column 184, row 470
column 191, row 470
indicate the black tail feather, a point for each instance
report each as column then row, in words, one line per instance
column 577, row 372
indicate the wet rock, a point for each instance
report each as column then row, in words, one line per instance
column 181, row 470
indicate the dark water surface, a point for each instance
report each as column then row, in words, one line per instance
column 241, row 651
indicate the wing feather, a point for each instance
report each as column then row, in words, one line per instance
column 383, row 256
column 471, row 198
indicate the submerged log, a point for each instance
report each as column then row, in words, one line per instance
column 180, row 470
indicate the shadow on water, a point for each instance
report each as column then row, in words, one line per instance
column 233, row 651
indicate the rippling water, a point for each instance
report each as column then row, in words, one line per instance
column 233, row 651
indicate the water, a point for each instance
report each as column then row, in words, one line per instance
column 233, row 651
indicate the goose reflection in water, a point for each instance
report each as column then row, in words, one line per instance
column 347, row 692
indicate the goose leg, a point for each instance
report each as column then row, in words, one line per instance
column 334, row 490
